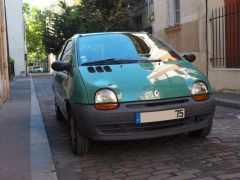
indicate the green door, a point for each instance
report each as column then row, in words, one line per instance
column 62, row 78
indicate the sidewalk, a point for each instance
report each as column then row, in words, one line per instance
column 15, row 134
column 228, row 100
column 24, row 148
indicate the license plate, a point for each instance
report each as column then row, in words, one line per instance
column 158, row 116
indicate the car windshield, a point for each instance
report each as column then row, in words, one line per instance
column 123, row 48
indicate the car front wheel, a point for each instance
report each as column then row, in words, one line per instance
column 202, row 133
column 80, row 144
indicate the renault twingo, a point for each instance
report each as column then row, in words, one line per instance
column 127, row 86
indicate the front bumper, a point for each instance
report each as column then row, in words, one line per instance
column 120, row 124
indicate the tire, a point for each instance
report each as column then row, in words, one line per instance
column 79, row 143
column 202, row 133
column 59, row 115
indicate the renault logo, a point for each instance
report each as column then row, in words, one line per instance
column 156, row 94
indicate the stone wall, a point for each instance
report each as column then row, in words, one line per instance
column 4, row 81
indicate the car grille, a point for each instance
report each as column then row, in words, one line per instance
column 133, row 128
column 154, row 104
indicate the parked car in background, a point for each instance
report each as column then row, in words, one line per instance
column 127, row 86
column 35, row 69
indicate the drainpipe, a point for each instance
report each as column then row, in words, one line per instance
column 148, row 7
column 6, row 59
column 207, row 50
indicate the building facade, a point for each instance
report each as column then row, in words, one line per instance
column 16, row 35
column 4, row 80
column 224, row 44
column 207, row 28
column 181, row 23
column 143, row 15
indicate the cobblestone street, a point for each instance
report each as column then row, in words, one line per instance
column 177, row 157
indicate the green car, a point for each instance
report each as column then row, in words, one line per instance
column 126, row 86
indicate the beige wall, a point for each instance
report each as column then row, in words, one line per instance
column 4, row 82
column 225, row 80
column 191, row 10
column 190, row 37
column 215, row 4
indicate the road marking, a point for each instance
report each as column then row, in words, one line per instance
column 42, row 166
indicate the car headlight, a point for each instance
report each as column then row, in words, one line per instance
column 199, row 87
column 106, row 99
column 200, row 91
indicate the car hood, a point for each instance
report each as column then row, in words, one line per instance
column 142, row 81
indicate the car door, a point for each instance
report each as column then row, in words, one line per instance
column 62, row 79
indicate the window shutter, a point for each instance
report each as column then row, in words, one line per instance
column 171, row 13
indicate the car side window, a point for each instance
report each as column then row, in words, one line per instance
column 67, row 54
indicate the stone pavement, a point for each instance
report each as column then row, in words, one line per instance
column 176, row 157
column 25, row 153
column 24, row 148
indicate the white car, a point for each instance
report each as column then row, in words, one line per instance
column 35, row 69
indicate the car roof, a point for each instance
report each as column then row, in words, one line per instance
column 104, row 33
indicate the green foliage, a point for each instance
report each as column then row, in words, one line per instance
column 35, row 25
column 11, row 60
column 85, row 16
column 113, row 15
column 61, row 25
column 47, row 30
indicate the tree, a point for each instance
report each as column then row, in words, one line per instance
column 113, row 14
column 85, row 17
column 61, row 25
column 35, row 25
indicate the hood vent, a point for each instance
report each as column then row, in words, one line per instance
column 107, row 69
column 99, row 69
column 91, row 69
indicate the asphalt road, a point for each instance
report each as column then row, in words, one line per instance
column 177, row 157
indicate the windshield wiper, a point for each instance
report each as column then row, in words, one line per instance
column 117, row 61
column 107, row 61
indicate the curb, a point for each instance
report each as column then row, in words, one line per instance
column 228, row 103
column 42, row 166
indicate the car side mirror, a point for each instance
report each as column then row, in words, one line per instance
column 189, row 57
column 60, row 66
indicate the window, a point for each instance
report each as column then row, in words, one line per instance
column 174, row 12
column 124, row 46
column 66, row 57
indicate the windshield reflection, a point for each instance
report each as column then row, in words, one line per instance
column 124, row 46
